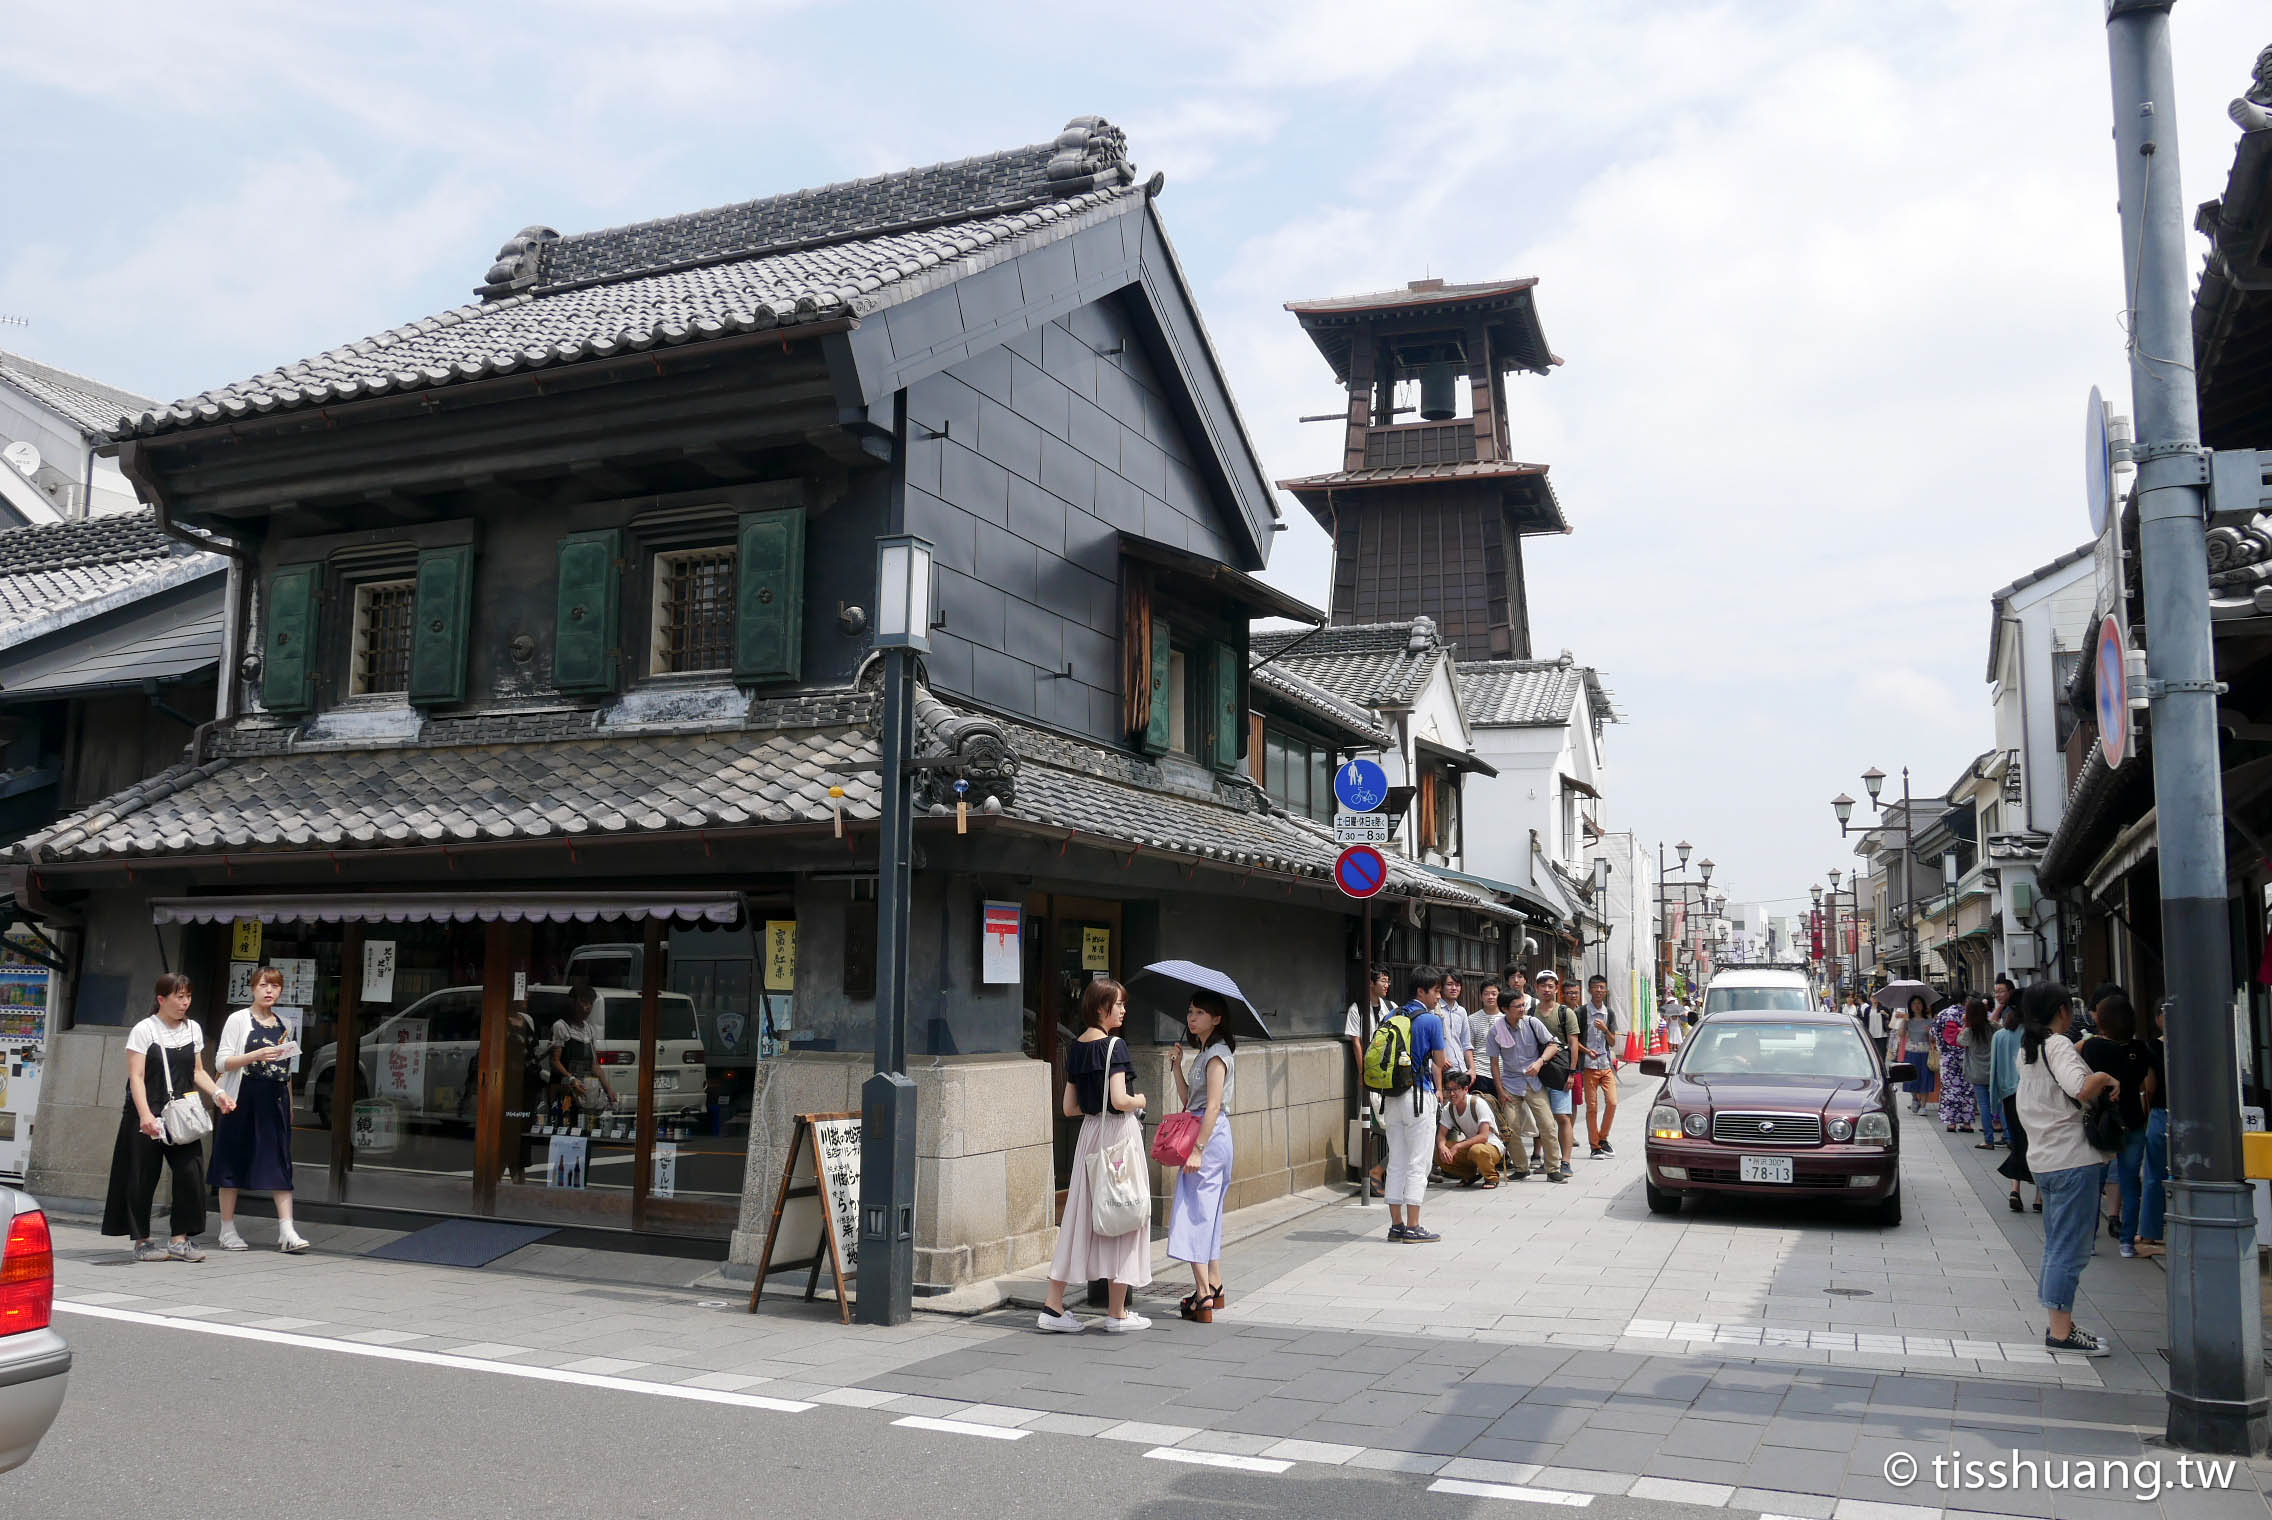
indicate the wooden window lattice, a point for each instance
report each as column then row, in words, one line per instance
column 696, row 620
column 382, row 636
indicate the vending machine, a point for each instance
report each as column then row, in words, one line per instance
column 24, row 991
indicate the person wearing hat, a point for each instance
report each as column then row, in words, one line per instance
column 1559, row 1012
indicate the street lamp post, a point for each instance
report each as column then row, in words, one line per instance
column 1837, row 951
column 1949, row 878
column 1843, row 805
column 887, row 1099
column 1601, row 906
column 1666, row 946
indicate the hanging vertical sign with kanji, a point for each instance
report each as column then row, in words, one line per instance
column 244, row 939
column 781, row 955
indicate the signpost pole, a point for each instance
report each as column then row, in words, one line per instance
column 2216, row 1384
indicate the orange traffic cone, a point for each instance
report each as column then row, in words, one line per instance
column 1633, row 1045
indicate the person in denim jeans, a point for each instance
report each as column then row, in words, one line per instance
column 2153, row 1194
column 2054, row 1083
column 1979, row 1069
column 2117, row 1051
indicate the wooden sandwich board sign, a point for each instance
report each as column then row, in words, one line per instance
column 818, row 1200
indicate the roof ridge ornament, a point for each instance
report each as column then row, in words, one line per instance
column 1092, row 153
column 516, row 266
column 2252, row 112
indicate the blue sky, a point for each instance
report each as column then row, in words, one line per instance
column 1831, row 279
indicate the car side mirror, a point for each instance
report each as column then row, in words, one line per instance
column 1653, row 1066
column 1901, row 1071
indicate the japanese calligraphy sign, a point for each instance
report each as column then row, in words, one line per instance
column 781, row 955
column 818, row 1200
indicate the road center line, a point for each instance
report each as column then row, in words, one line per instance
column 961, row 1428
column 438, row 1359
column 1218, row 1459
column 1510, row 1491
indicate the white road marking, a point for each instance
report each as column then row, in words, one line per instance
column 961, row 1428
column 437, row 1359
column 1510, row 1491
column 1217, row 1459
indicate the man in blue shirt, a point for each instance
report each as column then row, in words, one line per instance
column 1410, row 1118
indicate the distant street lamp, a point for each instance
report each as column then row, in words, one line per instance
column 887, row 1099
column 1601, row 906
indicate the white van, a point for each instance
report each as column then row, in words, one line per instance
column 1773, row 989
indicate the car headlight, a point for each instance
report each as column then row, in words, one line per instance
column 1841, row 1129
column 1664, row 1122
column 1695, row 1124
column 1874, row 1129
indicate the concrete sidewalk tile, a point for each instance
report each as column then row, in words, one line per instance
column 489, row 1351
column 1813, row 1472
column 1863, row 1509
column 1678, row 1491
column 1443, row 1434
column 1784, row 1503
column 1268, row 1417
column 1811, row 1432
column 1071, row 1424
column 1584, row 1480
column 1485, row 1471
column 724, row 1382
column 909, row 1403
column 1228, row 1442
column 384, row 1337
column 1325, row 1453
column 1376, row 1460
column 1712, row 1440
column 1490, row 1448
column 1141, row 1433
column 860, row 1398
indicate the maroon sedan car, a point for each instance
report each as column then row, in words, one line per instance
column 1776, row 1104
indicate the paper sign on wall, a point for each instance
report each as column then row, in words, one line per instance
column 666, row 1170
column 401, row 1060
column 998, row 943
column 1096, row 949
column 378, row 971
column 244, row 939
column 374, row 1127
column 565, row 1161
column 240, row 981
column 520, row 986
column 780, row 955
column 299, row 982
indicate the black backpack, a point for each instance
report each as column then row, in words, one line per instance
column 1556, row 1073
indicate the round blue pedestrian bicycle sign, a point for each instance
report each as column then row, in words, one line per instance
column 1361, row 786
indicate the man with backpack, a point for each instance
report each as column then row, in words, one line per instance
column 1599, row 1056
column 1405, row 1063
column 1525, row 1058
column 1558, row 1008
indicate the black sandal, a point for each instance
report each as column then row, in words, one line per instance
column 1196, row 1307
column 2017, row 1206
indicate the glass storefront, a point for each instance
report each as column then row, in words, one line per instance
column 454, row 1071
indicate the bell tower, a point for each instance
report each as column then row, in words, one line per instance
column 1428, row 516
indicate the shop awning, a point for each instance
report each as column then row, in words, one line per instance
column 423, row 907
column 2128, row 851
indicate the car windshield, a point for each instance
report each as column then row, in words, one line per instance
column 1757, row 1048
column 1766, row 999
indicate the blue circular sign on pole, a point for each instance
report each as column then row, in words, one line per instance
column 1360, row 872
column 1361, row 786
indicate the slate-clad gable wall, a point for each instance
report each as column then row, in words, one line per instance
column 1054, row 445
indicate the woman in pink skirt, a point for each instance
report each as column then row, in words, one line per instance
column 1100, row 1083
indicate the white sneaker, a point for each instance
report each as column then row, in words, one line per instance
column 1064, row 1322
column 290, row 1243
column 1127, row 1322
column 230, row 1240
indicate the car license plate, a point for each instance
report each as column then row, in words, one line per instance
column 1766, row 1169
column 668, row 1082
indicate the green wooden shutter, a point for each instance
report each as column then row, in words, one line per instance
column 769, row 610
column 590, row 602
column 1156, row 732
column 1225, row 729
column 294, row 617
column 440, row 624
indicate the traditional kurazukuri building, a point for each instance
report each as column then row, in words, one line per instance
column 550, row 659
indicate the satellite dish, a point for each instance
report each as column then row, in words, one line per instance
column 24, row 456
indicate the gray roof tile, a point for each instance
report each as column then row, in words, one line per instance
column 88, row 405
column 1342, row 717
column 1369, row 664
column 52, row 574
column 820, row 255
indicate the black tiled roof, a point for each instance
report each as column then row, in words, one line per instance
column 1518, row 693
column 264, row 796
column 118, row 539
column 1370, row 664
column 850, row 250
column 1342, row 717
column 88, row 405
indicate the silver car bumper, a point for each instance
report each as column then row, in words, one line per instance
column 34, row 1368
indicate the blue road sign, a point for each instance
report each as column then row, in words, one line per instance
column 1361, row 786
column 1360, row 872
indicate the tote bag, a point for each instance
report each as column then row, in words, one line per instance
column 1119, row 1201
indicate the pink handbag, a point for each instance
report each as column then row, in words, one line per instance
column 1172, row 1142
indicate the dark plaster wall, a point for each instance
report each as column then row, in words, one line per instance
column 1054, row 444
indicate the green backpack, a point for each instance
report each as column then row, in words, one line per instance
column 1388, row 1059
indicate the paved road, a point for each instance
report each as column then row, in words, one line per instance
column 260, row 1430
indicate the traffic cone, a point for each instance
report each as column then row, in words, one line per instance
column 1632, row 1044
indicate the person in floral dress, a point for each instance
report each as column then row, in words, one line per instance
column 1959, row 1110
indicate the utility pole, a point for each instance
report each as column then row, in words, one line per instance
column 2216, row 1385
